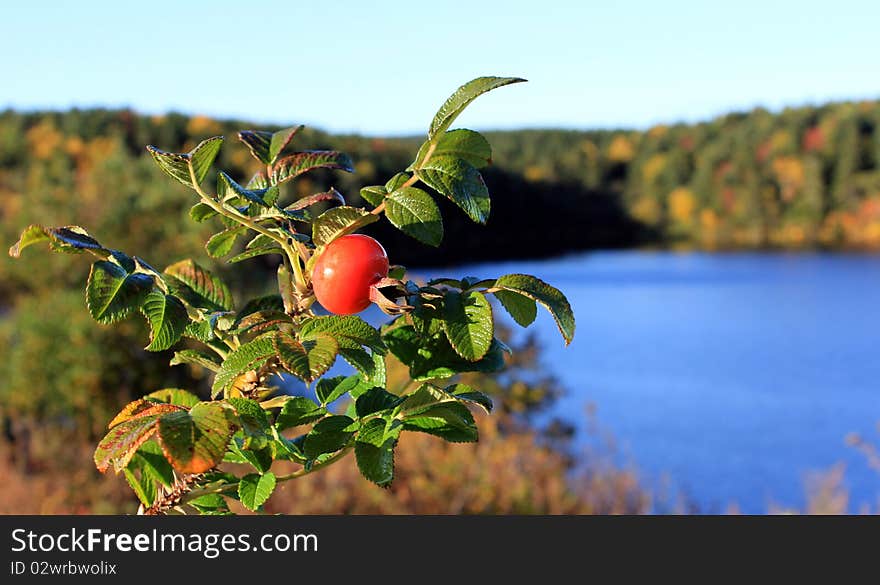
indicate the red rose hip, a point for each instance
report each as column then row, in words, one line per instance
column 345, row 271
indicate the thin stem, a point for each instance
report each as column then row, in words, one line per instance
column 232, row 487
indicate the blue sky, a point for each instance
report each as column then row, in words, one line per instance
column 384, row 67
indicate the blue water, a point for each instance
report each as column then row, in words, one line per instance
column 733, row 374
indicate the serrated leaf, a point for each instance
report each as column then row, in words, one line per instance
column 339, row 221
column 415, row 213
column 112, row 293
column 307, row 359
column 467, row 320
column 463, row 96
column 434, row 357
column 262, row 321
column 196, row 356
column 167, row 318
column 281, row 139
column 254, row 489
column 194, row 441
column 349, row 330
column 201, row 288
column 178, row 165
column 144, row 488
column 227, row 188
column 451, row 421
column 298, row 411
column 248, row 254
column 174, row 396
column 461, row 182
column 140, row 408
column 210, row 504
column 71, row 238
column 465, row 392
column 120, row 443
column 295, row 165
column 374, row 450
column 201, row 212
column 249, row 356
column 222, row 243
column 465, row 144
column 374, row 194
column 330, row 389
column 258, row 143
column 254, row 422
column 331, row 195
column 521, row 308
column 328, row 435
column 152, row 462
column 375, row 400
column 549, row 297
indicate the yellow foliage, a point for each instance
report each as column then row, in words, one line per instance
column 682, row 205
column 780, row 140
column 365, row 168
column 203, row 125
column 621, row 149
column 709, row 223
column 789, row 171
column 653, row 168
column 647, row 210
column 43, row 139
column 658, row 131
column 534, row 173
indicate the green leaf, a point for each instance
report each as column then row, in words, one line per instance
column 338, row 222
column 415, row 213
column 254, row 252
column 201, row 212
column 71, row 238
column 397, row 181
column 262, row 321
column 261, row 459
column 249, row 356
column 254, row 489
column 199, row 287
column 167, row 318
column 178, row 166
column 374, row 450
column 152, row 462
column 349, row 330
column 328, row 435
column 466, row 144
column 538, row 290
column 254, row 422
column 295, row 165
column 307, row 359
column 467, row 320
column 331, row 389
column 463, row 96
column 520, row 307
column 265, row 303
column 258, row 143
column 210, row 504
column 197, row 357
column 112, row 293
column 466, row 393
column 120, row 443
column 331, row 195
column 174, row 396
column 451, row 421
column 144, row 488
column 370, row 365
column 227, row 189
column 375, row 400
column 281, row 139
column 374, row 195
column 195, row 441
column 221, row 243
column 435, row 358
column 298, row 411
column 458, row 180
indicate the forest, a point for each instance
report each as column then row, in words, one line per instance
column 802, row 178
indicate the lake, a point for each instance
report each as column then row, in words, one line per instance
column 736, row 375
